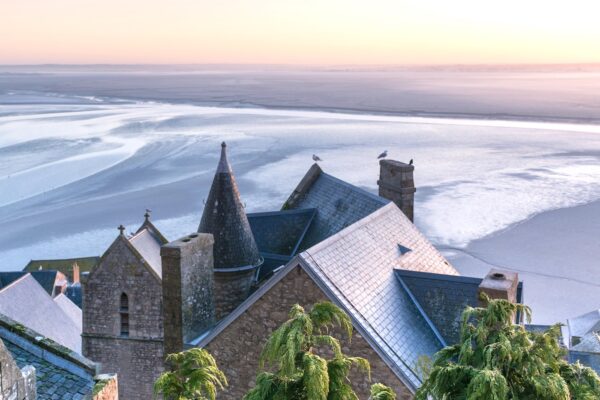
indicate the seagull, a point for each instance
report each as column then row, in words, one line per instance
column 410, row 162
column 382, row 155
column 316, row 158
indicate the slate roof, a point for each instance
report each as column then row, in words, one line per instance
column 74, row 293
column 27, row 303
column 355, row 269
column 225, row 218
column 70, row 309
column 443, row 298
column 148, row 245
column 590, row 343
column 338, row 204
column 278, row 235
column 46, row 278
column 86, row 264
column 52, row 381
column 584, row 324
column 60, row 374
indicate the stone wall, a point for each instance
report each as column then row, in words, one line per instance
column 188, row 306
column 138, row 358
column 231, row 289
column 15, row 383
column 237, row 348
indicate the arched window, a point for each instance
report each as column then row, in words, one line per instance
column 124, row 313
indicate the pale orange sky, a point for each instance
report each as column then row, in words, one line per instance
column 299, row 31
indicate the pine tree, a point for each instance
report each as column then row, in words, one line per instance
column 301, row 370
column 194, row 376
column 499, row 360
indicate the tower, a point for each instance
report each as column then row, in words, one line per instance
column 236, row 257
column 396, row 183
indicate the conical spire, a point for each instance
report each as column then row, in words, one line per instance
column 225, row 218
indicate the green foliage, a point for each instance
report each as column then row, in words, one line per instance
column 297, row 352
column 499, row 360
column 381, row 392
column 194, row 375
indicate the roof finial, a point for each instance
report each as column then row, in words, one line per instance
column 224, row 166
column 147, row 214
column 121, row 229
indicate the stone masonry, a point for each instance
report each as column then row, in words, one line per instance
column 137, row 358
column 231, row 289
column 188, row 306
column 396, row 183
column 237, row 348
column 15, row 383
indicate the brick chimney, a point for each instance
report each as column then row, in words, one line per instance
column 499, row 284
column 396, row 183
column 76, row 278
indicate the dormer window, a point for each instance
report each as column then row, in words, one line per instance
column 124, row 314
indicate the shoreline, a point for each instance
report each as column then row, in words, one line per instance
column 556, row 254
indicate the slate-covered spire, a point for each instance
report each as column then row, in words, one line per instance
column 224, row 217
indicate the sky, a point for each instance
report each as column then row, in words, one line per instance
column 299, row 31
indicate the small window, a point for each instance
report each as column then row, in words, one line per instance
column 124, row 313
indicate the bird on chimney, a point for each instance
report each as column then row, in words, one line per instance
column 382, row 155
column 410, row 162
column 316, row 158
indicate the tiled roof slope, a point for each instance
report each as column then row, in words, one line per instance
column 357, row 267
column 45, row 278
column 590, row 343
column 148, row 245
column 70, row 309
column 280, row 232
column 52, row 381
column 584, row 324
column 27, row 303
column 338, row 203
column 443, row 298
column 225, row 218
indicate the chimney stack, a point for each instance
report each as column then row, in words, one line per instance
column 76, row 278
column 499, row 284
column 396, row 183
column 188, row 297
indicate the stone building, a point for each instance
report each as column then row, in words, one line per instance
column 122, row 311
column 35, row 367
column 229, row 285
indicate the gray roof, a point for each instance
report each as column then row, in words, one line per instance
column 148, row 245
column 590, row 343
column 46, row 278
column 225, row 218
column 442, row 298
column 355, row 269
column 60, row 373
column 584, row 324
column 70, row 309
column 278, row 236
column 52, row 381
column 357, row 266
column 27, row 303
column 338, row 204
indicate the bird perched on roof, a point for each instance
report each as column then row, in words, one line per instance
column 316, row 158
column 382, row 155
column 410, row 162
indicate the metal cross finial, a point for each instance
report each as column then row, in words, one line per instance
column 121, row 229
column 147, row 214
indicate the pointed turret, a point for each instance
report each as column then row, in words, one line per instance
column 236, row 256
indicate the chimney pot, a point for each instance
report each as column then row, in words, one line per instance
column 396, row 183
column 499, row 284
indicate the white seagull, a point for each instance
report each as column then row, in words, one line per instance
column 382, row 155
column 316, row 158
